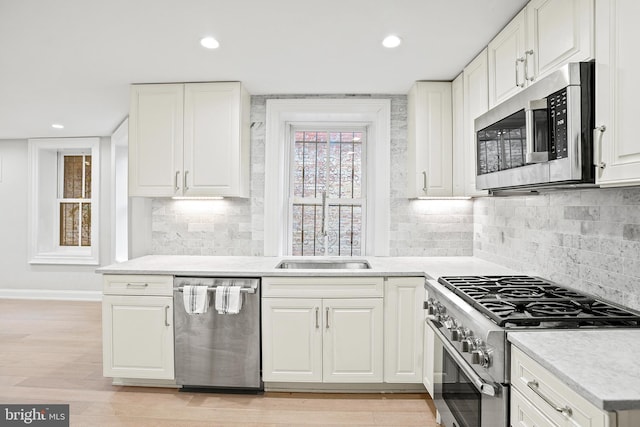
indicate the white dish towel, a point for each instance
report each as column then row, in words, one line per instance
column 228, row 299
column 196, row 299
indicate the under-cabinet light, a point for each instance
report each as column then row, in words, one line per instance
column 445, row 198
column 57, row 126
column 197, row 198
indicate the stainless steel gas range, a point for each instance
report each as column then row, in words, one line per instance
column 470, row 317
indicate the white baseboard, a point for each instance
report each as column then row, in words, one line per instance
column 51, row 294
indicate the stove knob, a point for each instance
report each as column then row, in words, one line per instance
column 455, row 334
column 481, row 356
column 485, row 360
column 431, row 308
column 467, row 340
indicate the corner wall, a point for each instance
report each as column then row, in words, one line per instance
column 587, row 239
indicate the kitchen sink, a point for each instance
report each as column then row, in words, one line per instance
column 324, row 264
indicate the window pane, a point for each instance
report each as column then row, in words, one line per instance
column 72, row 186
column 69, row 224
column 87, row 177
column 307, row 227
column 332, row 162
column 345, row 230
column 86, row 224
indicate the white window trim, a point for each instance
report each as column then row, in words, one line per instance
column 43, row 184
column 375, row 114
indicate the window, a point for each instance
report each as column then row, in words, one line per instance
column 63, row 200
column 327, row 201
column 74, row 199
column 371, row 207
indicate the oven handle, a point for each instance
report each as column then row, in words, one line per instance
column 484, row 387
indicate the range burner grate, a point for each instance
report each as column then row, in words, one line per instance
column 525, row 301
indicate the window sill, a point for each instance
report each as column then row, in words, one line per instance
column 60, row 259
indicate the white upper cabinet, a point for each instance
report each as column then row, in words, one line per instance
column 617, row 150
column 189, row 140
column 558, row 32
column 457, row 122
column 545, row 35
column 155, row 139
column 476, row 102
column 430, row 140
column 507, row 60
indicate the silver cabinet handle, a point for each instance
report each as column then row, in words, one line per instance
column 597, row 143
column 137, row 285
column 185, row 181
column 166, row 315
column 526, row 65
column 424, row 181
column 177, row 176
column 317, row 318
column 518, row 60
column 533, row 385
column 327, row 323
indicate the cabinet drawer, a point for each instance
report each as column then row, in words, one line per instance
column 525, row 372
column 137, row 285
column 323, row 287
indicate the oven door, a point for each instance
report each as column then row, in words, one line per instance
column 461, row 396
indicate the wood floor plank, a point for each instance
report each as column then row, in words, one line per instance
column 51, row 352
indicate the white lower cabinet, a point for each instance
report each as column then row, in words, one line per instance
column 137, row 327
column 291, row 341
column 138, row 336
column 322, row 340
column 539, row 398
column 403, row 329
column 322, row 329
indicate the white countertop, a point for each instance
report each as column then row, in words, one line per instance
column 181, row 265
column 601, row 365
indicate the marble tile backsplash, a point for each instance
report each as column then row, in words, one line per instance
column 587, row 239
column 236, row 226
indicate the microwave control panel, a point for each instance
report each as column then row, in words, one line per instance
column 557, row 104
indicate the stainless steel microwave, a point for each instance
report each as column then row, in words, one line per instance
column 541, row 137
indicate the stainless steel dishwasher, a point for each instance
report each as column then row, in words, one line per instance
column 215, row 350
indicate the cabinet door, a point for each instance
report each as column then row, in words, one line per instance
column 214, row 160
column 404, row 319
column 137, row 337
column 476, row 93
column 291, row 340
column 429, row 139
column 617, row 88
column 155, row 140
column 506, row 61
column 559, row 31
column 524, row 414
column 353, row 334
column 457, row 122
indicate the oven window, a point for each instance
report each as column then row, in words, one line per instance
column 461, row 396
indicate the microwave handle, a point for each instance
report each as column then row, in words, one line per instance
column 531, row 155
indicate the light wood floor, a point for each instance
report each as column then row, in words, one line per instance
column 51, row 352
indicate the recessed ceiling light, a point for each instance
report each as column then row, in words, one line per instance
column 391, row 41
column 57, row 126
column 209, row 43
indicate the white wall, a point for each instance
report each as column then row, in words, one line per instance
column 18, row 275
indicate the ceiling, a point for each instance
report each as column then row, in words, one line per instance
column 71, row 61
